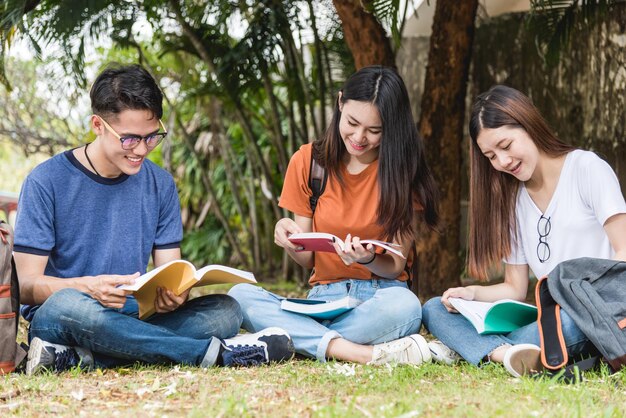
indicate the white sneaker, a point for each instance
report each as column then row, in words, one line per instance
column 408, row 350
column 523, row 359
column 441, row 353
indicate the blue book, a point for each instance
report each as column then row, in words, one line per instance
column 320, row 309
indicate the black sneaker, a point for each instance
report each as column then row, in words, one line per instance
column 270, row 345
column 43, row 355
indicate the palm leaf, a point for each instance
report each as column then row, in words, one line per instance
column 552, row 22
column 387, row 12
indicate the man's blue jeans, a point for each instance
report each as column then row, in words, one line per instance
column 116, row 337
column 459, row 334
column 389, row 311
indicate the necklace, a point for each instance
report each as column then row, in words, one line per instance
column 90, row 163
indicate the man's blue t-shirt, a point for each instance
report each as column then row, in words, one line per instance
column 89, row 225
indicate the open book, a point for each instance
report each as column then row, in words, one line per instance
column 499, row 317
column 323, row 241
column 178, row 276
column 320, row 309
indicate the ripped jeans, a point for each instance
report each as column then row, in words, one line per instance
column 459, row 334
column 389, row 311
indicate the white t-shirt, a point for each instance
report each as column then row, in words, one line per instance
column 587, row 194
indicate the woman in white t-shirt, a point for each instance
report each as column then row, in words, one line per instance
column 534, row 202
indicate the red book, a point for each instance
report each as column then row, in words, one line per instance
column 322, row 241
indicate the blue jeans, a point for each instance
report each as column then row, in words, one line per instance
column 460, row 335
column 389, row 311
column 117, row 337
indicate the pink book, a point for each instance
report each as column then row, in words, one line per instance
column 322, row 241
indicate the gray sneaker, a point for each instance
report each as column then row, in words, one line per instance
column 441, row 353
column 408, row 350
column 43, row 355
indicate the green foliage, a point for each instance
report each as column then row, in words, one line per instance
column 241, row 93
column 37, row 114
column 552, row 22
column 390, row 14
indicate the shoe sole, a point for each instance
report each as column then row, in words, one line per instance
column 522, row 360
column 34, row 363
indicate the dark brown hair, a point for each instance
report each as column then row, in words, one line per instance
column 493, row 193
column 403, row 175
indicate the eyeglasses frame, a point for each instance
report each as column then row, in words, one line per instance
column 144, row 138
column 542, row 238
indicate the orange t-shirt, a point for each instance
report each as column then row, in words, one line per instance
column 340, row 210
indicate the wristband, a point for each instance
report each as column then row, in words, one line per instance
column 368, row 262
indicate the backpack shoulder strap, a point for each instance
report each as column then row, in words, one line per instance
column 11, row 354
column 317, row 182
column 553, row 349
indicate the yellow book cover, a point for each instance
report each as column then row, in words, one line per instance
column 178, row 276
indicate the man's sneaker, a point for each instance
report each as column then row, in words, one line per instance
column 270, row 345
column 441, row 353
column 523, row 359
column 408, row 350
column 52, row 357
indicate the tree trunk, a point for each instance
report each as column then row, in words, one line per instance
column 364, row 35
column 441, row 125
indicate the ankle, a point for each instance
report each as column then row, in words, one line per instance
column 342, row 349
column 497, row 355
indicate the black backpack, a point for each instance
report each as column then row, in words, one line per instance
column 318, row 177
column 11, row 353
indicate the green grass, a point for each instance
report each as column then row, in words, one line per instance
column 309, row 388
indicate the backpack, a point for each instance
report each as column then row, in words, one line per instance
column 11, row 353
column 592, row 292
column 318, row 177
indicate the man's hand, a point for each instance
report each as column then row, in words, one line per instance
column 167, row 301
column 105, row 289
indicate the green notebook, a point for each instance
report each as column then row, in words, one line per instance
column 499, row 317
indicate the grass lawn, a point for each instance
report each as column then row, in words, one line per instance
column 309, row 388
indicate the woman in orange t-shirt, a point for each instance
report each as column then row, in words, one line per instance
column 378, row 187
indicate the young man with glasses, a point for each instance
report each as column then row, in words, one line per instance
column 88, row 221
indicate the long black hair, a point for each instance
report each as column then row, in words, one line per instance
column 403, row 175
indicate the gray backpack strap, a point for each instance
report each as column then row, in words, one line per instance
column 317, row 182
column 11, row 354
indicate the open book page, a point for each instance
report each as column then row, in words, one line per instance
column 473, row 310
column 498, row 317
column 322, row 241
column 215, row 274
column 172, row 275
column 388, row 246
column 178, row 276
